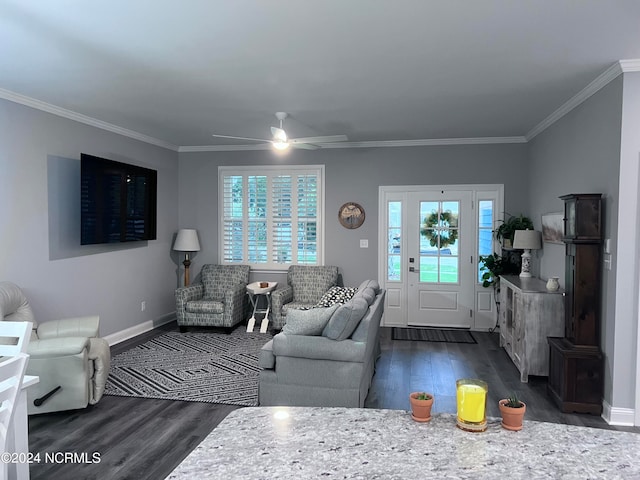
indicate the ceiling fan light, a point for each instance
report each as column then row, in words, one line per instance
column 280, row 135
column 279, row 145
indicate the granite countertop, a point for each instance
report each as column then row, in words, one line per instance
column 308, row 442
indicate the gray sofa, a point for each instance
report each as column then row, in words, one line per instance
column 325, row 368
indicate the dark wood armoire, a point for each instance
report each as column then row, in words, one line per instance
column 575, row 360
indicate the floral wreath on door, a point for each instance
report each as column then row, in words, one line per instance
column 441, row 229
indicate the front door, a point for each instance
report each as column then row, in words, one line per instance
column 440, row 260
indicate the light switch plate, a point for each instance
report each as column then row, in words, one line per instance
column 364, row 243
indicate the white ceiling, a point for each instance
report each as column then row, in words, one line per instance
column 374, row 70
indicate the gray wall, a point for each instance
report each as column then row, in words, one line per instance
column 625, row 337
column 580, row 153
column 352, row 175
column 39, row 223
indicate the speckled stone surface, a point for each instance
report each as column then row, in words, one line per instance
column 257, row 443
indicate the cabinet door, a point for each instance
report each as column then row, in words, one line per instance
column 503, row 315
column 506, row 316
column 570, row 219
column 570, row 281
column 518, row 329
column 586, row 298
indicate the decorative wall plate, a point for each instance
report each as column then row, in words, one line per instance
column 351, row 215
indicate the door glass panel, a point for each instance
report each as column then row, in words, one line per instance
column 439, row 243
column 394, row 229
column 395, row 214
column 428, row 269
column 454, row 209
column 485, row 214
column 485, row 232
column 448, row 269
column 393, row 267
column 394, row 240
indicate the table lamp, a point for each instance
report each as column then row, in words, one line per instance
column 526, row 240
column 186, row 241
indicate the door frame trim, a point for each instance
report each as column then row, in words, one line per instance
column 383, row 192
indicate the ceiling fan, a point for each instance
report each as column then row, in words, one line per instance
column 280, row 141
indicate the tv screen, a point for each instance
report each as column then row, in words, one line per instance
column 118, row 201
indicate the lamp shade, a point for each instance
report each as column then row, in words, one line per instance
column 527, row 240
column 187, row 240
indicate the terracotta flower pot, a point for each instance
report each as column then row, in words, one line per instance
column 511, row 417
column 420, row 409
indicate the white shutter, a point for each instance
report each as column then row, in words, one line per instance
column 271, row 215
column 282, row 232
column 232, row 219
column 256, row 237
column 307, row 196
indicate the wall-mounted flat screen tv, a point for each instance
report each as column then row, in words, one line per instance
column 118, row 201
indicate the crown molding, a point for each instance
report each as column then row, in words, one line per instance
column 368, row 144
column 426, row 142
column 621, row 66
column 611, row 73
column 78, row 117
column 632, row 65
column 223, row 148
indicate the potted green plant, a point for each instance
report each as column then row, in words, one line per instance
column 495, row 265
column 492, row 267
column 512, row 410
column 504, row 233
column 421, row 403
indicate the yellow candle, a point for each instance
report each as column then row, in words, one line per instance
column 471, row 397
column 471, row 402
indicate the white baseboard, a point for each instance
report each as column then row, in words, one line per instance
column 618, row 416
column 131, row 332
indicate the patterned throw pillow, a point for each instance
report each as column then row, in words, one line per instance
column 336, row 296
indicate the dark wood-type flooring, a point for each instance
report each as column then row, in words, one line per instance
column 146, row 439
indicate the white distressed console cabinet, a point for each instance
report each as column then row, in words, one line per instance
column 528, row 315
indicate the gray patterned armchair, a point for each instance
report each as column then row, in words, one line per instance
column 305, row 286
column 219, row 300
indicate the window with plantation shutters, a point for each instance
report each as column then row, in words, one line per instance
column 271, row 216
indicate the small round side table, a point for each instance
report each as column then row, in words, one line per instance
column 255, row 291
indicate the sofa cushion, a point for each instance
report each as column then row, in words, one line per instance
column 287, row 307
column 308, row 322
column 367, row 293
column 370, row 283
column 266, row 358
column 335, row 296
column 318, row 348
column 345, row 319
column 362, row 330
column 205, row 306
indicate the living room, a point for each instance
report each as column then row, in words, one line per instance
column 585, row 142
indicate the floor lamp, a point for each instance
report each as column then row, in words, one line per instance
column 187, row 242
column 526, row 240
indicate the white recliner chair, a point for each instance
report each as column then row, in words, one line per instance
column 68, row 356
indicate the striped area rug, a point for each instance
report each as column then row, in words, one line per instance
column 432, row 335
column 196, row 367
